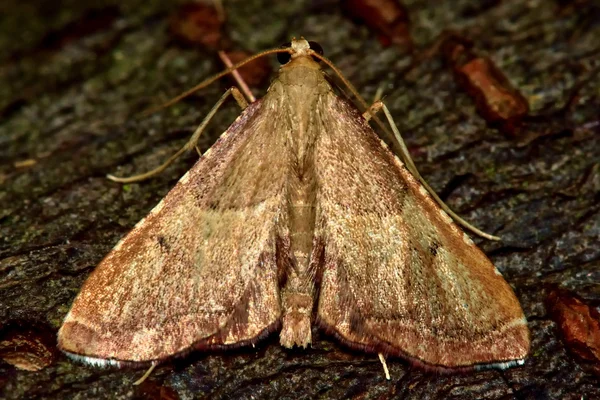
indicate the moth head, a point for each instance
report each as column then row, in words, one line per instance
column 299, row 48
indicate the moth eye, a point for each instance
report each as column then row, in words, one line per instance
column 316, row 47
column 284, row 58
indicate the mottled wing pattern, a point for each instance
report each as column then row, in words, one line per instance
column 398, row 275
column 200, row 270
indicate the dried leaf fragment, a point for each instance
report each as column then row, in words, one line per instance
column 579, row 324
column 497, row 101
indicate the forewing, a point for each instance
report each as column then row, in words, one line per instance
column 200, row 269
column 398, row 275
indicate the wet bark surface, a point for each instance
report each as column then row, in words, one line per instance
column 73, row 74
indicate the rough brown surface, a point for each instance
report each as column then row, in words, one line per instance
column 71, row 75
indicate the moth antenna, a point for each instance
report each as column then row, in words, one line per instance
column 213, row 78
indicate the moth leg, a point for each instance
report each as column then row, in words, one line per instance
column 146, row 375
column 192, row 143
column 405, row 155
column 386, row 371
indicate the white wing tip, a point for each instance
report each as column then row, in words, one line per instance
column 501, row 365
column 93, row 361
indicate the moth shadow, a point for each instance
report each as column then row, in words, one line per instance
column 226, row 354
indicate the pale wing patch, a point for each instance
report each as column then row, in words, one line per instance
column 467, row 240
column 445, row 215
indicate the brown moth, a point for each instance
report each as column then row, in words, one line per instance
column 298, row 215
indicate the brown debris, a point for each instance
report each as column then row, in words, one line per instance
column 26, row 349
column 578, row 323
column 497, row 101
column 388, row 18
column 198, row 23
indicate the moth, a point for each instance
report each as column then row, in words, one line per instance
column 298, row 216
